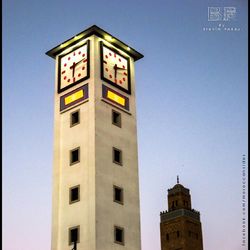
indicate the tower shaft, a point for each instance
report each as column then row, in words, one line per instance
column 95, row 167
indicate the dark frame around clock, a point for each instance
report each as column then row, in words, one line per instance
column 128, row 91
column 59, row 89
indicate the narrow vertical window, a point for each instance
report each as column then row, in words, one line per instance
column 74, row 118
column 118, row 194
column 74, row 235
column 119, row 235
column 116, row 118
column 178, row 234
column 117, row 156
column 74, row 194
column 74, row 156
column 167, row 237
column 172, row 204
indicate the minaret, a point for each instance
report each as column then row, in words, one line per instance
column 180, row 226
column 95, row 168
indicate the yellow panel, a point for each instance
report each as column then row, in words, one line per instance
column 116, row 98
column 71, row 98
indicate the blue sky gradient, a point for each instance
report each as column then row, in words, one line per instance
column 191, row 90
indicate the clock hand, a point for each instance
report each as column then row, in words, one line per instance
column 115, row 68
column 73, row 67
column 121, row 68
column 118, row 67
column 114, row 65
column 80, row 61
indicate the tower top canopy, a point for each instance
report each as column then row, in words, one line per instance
column 94, row 30
column 178, row 188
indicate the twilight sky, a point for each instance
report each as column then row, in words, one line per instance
column 191, row 110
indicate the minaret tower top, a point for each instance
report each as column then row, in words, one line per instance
column 178, row 197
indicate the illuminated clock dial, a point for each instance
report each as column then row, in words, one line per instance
column 115, row 68
column 73, row 67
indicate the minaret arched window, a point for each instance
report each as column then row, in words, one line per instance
column 167, row 237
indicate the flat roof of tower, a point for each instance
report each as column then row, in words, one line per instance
column 94, row 30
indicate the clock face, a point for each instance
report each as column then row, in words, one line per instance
column 115, row 68
column 73, row 67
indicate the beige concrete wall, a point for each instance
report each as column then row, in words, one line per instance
column 109, row 213
column 81, row 213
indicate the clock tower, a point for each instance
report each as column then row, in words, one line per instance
column 95, row 167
